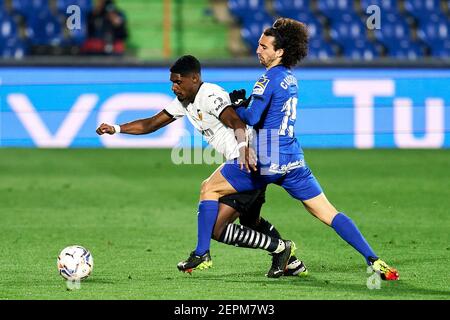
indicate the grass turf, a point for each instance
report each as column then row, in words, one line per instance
column 136, row 212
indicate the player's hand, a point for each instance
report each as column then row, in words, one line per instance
column 238, row 98
column 105, row 128
column 247, row 159
column 237, row 95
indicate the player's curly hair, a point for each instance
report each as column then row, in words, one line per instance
column 291, row 36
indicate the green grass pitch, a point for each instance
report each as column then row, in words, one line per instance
column 136, row 212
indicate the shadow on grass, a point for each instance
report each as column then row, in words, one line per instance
column 99, row 281
column 394, row 289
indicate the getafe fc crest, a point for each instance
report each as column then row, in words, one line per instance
column 260, row 85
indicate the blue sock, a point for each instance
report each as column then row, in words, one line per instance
column 348, row 231
column 207, row 215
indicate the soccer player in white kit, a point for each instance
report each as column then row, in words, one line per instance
column 208, row 107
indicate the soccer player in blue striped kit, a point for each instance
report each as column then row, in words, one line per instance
column 272, row 109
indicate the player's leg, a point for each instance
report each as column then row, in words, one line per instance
column 227, row 232
column 322, row 209
column 249, row 205
column 208, row 209
column 302, row 185
column 226, row 215
column 212, row 189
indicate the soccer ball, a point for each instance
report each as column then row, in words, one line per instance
column 75, row 263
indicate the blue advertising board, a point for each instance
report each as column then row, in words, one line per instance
column 338, row 108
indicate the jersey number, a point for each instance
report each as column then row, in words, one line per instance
column 290, row 114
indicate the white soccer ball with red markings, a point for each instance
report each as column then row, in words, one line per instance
column 75, row 263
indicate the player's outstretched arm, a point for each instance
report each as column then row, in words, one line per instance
column 141, row 126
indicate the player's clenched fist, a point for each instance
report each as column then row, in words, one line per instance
column 105, row 128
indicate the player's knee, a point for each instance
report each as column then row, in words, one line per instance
column 208, row 191
column 203, row 184
column 204, row 188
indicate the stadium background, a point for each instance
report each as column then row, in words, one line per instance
column 385, row 89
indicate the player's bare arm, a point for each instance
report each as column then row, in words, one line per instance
column 229, row 118
column 141, row 126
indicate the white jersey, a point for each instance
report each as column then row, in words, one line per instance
column 204, row 115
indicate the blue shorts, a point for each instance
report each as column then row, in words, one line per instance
column 294, row 176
